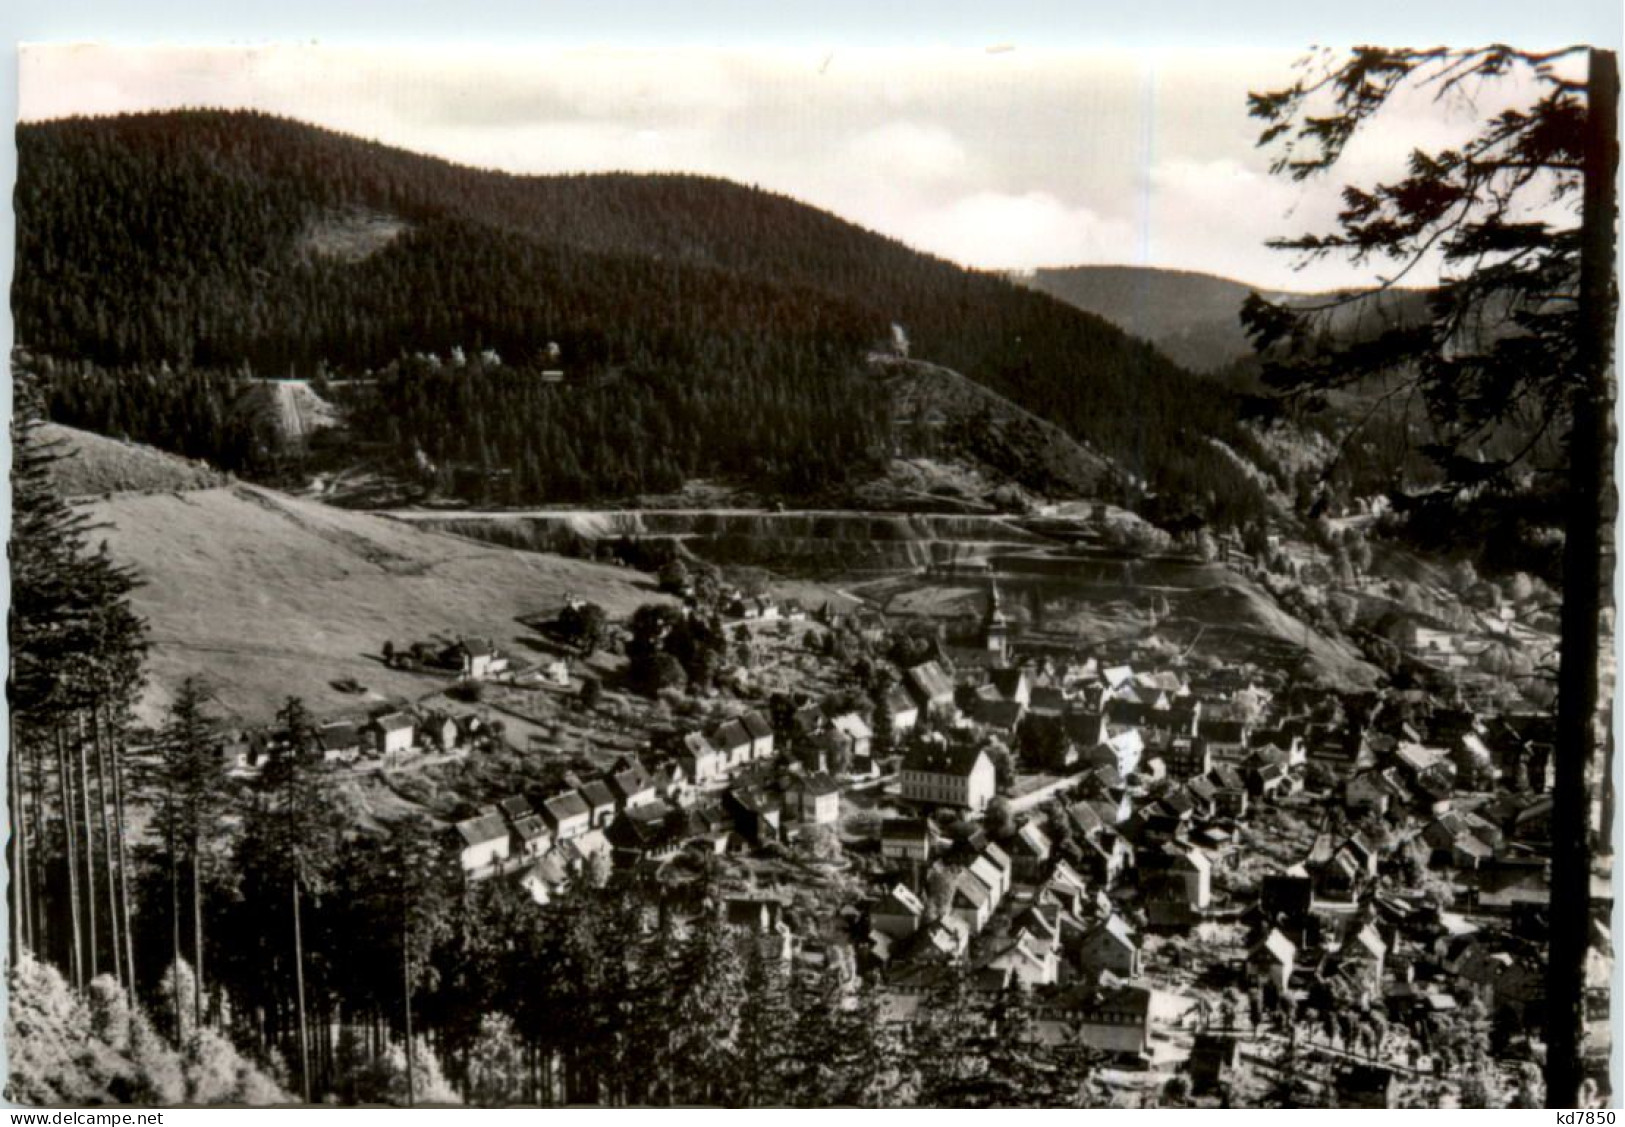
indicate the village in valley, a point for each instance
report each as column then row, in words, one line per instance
column 567, row 578
column 1224, row 879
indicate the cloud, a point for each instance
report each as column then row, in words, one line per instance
column 908, row 151
column 1009, row 231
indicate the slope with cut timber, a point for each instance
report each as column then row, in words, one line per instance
column 936, row 412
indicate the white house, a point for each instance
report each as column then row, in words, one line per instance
column 567, row 815
column 1272, row 959
column 938, row 773
column 393, row 732
column 484, row 843
column 702, row 761
column 1109, row 946
column 761, row 735
column 818, row 800
column 898, row 913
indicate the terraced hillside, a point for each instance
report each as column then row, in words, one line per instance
column 1062, row 580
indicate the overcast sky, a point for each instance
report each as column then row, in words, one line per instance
column 1001, row 158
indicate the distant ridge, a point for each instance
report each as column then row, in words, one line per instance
column 1193, row 318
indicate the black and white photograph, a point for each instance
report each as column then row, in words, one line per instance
column 997, row 576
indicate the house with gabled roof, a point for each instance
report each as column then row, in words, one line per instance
column 393, row 733
column 600, row 802
column 631, row 785
column 1230, row 790
column 906, row 839
column 531, row 837
column 1084, row 727
column 1203, row 796
column 1065, row 876
column 988, row 873
column 898, row 913
column 1047, row 700
column 931, row 687
column 1116, row 676
column 478, row 659
column 1186, row 757
column 1179, row 871
column 1110, row 946
column 1225, row 739
column 1012, row 684
column 340, row 741
column 939, row 940
column 817, row 799
column 1030, row 851
column 760, row 731
column 1272, row 958
column 903, row 710
column 938, row 772
column 567, row 815
column 757, row 813
column 1110, row 1019
column 1375, row 791
column 999, row 716
column 701, row 760
column 971, row 900
column 1364, row 953
column 855, row 731
column 483, row 843
column 733, row 744
column 1029, row 959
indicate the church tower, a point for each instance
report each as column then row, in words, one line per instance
column 995, row 627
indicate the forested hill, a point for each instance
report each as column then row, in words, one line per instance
column 729, row 322
column 1195, row 318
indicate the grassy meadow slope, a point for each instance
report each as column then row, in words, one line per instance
column 269, row 596
column 92, row 463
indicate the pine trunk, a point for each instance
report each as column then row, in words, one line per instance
column 197, row 940
column 77, row 953
column 175, row 931
column 18, row 854
column 1582, row 581
column 90, row 848
column 406, row 996
column 299, row 991
column 98, row 736
column 115, row 752
column 42, row 929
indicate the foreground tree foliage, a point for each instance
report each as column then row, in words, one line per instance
column 94, row 1048
column 1510, row 366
